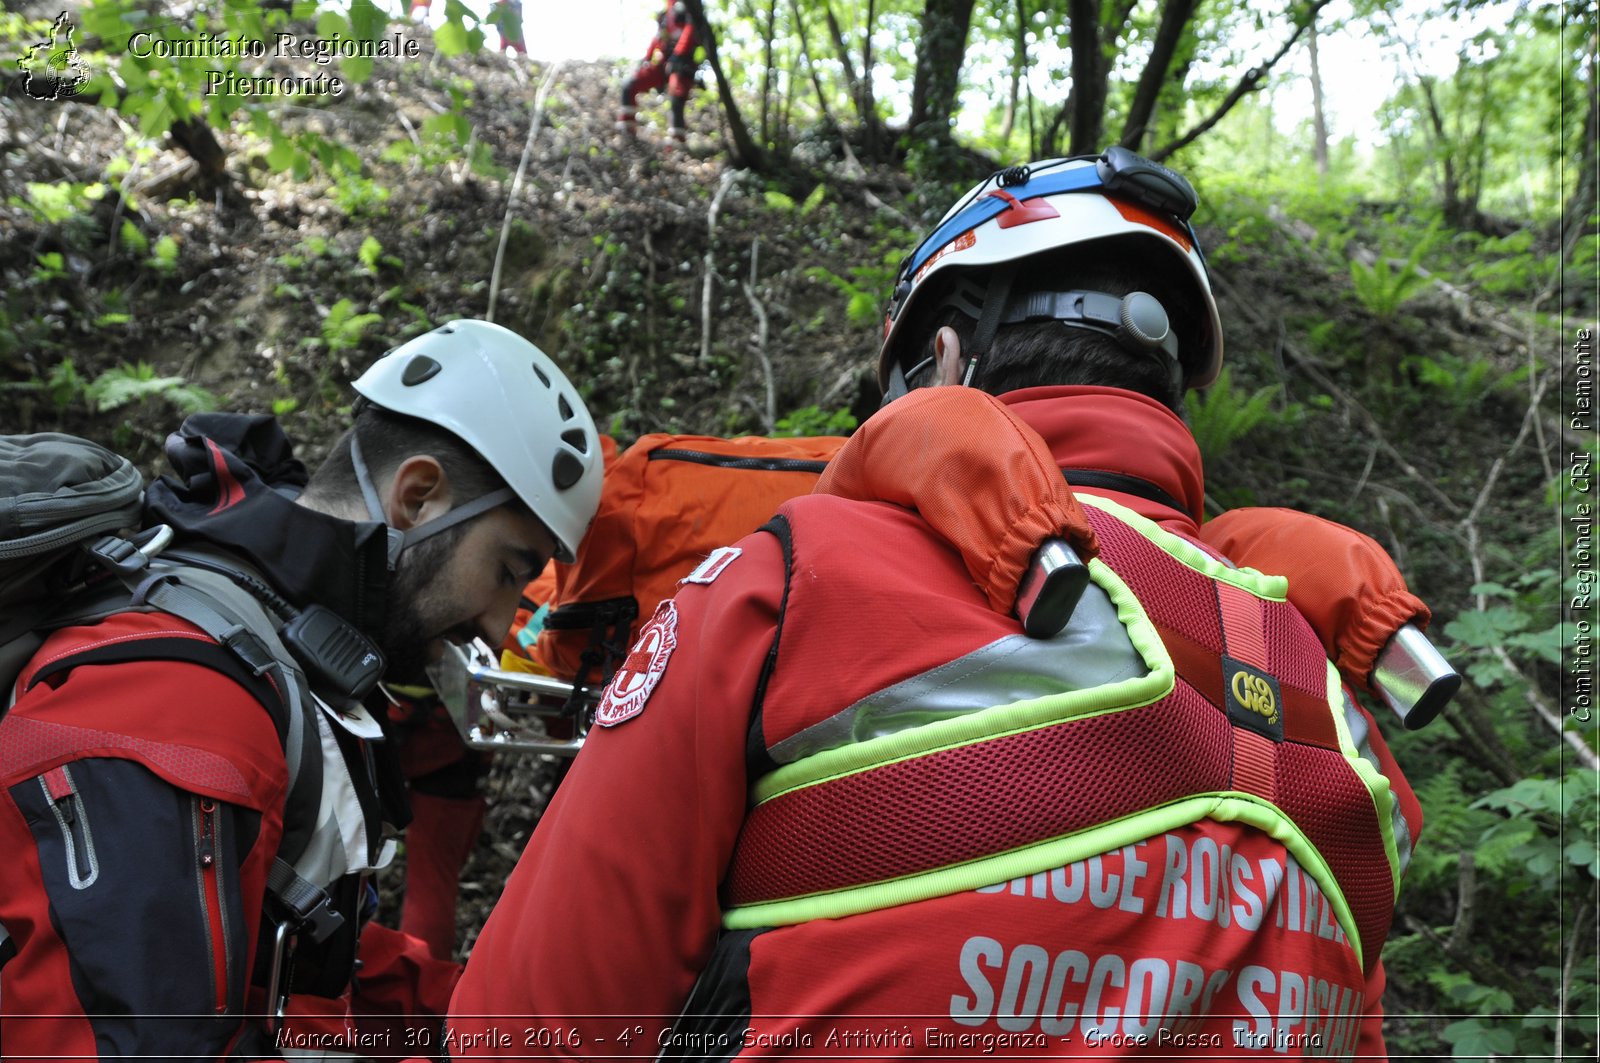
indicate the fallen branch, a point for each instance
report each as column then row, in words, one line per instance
column 1466, row 900
column 516, row 185
column 1541, row 707
column 723, row 185
column 760, row 311
column 1579, row 931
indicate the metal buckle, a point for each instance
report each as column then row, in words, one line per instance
column 495, row 709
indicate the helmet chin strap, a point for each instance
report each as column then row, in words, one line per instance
column 399, row 540
column 994, row 307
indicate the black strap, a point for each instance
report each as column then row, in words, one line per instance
column 1128, row 485
column 994, row 305
column 758, row 761
column 609, row 622
column 303, row 903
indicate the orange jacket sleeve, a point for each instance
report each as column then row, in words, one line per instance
column 1342, row 581
column 934, row 451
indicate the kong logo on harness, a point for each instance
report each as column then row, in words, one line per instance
column 1253, row 699
column 639, row 673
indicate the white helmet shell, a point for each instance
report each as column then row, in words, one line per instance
column 507, row 400
column 1041, row 208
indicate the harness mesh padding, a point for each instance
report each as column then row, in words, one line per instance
column 953, row 806
column 1327, row 800
column 996, row 795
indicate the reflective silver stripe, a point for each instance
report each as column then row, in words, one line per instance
column 1356, row 722
column 81, row 817
column 1092, row 651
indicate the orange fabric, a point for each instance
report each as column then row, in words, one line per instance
column 660, row 518
column 975, row 471
column 1344, row 583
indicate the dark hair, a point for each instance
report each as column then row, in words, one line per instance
column 387, row 440
column 1037, row 353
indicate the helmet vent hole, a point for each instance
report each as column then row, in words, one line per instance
column 540, row 374
column 565, row 470
column 419, row 369
column 574, row 438
column 565, row 407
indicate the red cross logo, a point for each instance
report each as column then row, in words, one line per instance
column 630, row 688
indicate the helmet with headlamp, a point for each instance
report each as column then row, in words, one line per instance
column 976, row 260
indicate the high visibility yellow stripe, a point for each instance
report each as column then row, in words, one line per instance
column 1000, row 720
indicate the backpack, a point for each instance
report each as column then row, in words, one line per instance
column 668, row 502
column 67, row 559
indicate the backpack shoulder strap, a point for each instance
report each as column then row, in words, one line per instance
column 235, row 619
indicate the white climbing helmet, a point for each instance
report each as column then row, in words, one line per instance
column 508, row 401
column 1048, row 205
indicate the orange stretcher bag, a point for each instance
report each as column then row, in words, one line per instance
column 668, row 502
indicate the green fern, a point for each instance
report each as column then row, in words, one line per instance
column 134, row 383
column 1221, row 415
column 1383, row 288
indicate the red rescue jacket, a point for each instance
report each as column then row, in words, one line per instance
column 850, row 623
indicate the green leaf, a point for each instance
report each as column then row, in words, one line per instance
column 133, row 239
column 156, row 116
column 779, row 201
column 282, row 154
column 450, row 38
column 1585, row 854
column 1470, row 1037
column 1487, row 627
column 366, row 20
column 370, row 253
column 165, row 254
column 356, row 68
column 814, row 200
column 862, row 308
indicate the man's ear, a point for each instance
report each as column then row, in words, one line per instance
column 419, row 492
column 946, row 357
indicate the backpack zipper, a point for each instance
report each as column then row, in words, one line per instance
column 729, row 461
column 83, row 868
column 213, row 912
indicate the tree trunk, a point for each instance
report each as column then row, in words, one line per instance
column 1581, row 207
column 745, row 151
column 940, row 51
column 1319, row 118
column 1249, row 83
column 842, row 50
column 1443, row 152
column 867, row 106
column 811, row 68
column 766, row 78
column 1019, row 66
column 194, row 136
column 1088, row 97
column 1175, row 17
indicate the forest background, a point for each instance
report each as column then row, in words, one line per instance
column 1408, row 308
